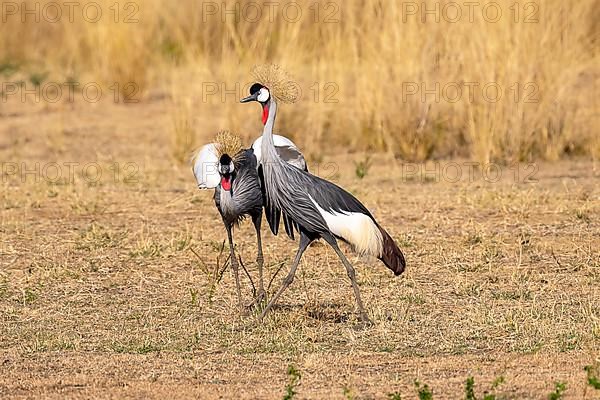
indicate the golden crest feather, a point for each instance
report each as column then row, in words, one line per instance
column 228, row 143
column 280, row 84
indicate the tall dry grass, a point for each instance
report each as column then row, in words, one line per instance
column 354, row 62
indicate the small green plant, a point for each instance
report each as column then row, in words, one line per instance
column 592, row 375
column 290, row 389
column 348, row 393
column 37, row 78
column 8, row 68
column 194, row 297
column 64, row 344
column 362, row 167
column 470, row 389
column 497, row 382
column 394, row 396
column 559, row 389
column 29, row 296
column 146, row 347
column 424, row 392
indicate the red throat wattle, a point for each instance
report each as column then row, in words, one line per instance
column 265, row 114
column 226, row 183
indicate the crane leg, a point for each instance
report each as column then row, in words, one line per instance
column 287, row 281
column 235, row 267
column 352, row 275
column 259, row 258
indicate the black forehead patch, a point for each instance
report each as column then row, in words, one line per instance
column 255, row 88
column 225, row 159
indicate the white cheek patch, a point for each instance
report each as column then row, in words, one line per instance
column 263, row 95
column 231, row 167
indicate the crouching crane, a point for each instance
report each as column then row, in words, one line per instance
column 233, row 172
column 317, row 208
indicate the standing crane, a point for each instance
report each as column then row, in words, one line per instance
column 233, row 172
column 317, row 208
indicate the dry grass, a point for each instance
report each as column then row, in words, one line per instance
column 183, row 131
column 353, row 63
column 112, row 285
column 101, row 295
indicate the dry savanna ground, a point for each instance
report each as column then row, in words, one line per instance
column 108, row 288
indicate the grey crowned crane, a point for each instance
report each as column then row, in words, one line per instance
column 316, row 207
column 233, row 172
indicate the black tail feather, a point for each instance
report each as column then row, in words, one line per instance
column 391, row 255
column 289, row 226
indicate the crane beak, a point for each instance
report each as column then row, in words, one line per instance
column 250, row 98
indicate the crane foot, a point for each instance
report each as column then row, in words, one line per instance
column 259, row 301
column 364, row 322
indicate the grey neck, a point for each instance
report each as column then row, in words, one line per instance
column 268, row 146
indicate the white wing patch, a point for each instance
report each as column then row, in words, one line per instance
column 206, row 166
column 256, row 146
column 356, row 228
column 286, row 149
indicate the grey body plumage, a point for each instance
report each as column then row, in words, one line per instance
column 245, row 196
column 233, row 173
column 317, row 208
